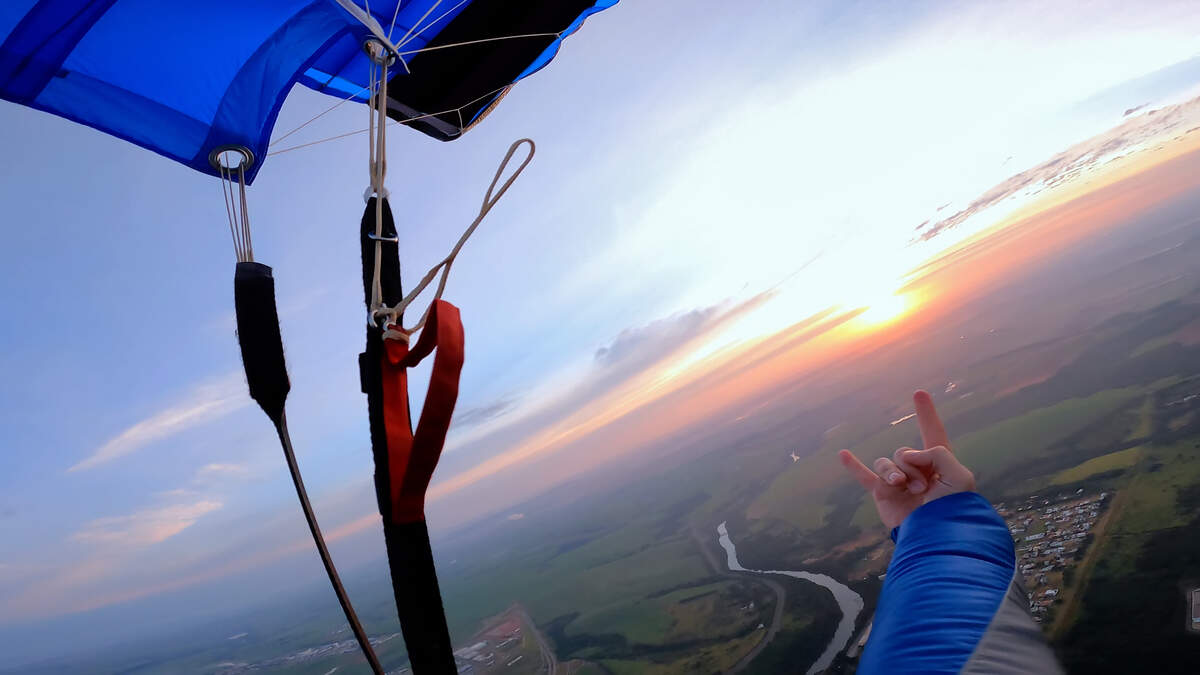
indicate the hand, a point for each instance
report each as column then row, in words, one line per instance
column 912, row 477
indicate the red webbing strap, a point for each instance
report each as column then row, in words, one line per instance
column 413, row 457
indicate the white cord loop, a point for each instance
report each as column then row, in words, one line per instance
column 390, row 316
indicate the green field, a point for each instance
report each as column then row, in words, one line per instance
column 799, row 495
column 1145, row 421
column 1151, row 548
column 1113, row 461
column 1166, row 471
column 682, row 614
column 1028, row 437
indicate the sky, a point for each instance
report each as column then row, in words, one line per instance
column 705, row 178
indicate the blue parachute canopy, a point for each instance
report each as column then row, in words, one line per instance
column 183, row 79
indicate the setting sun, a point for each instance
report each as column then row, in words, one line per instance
column 883, row 309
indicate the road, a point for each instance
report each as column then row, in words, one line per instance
column 548, row 658
column 1065, row 615
column 776, row 587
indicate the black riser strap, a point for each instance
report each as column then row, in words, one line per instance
column 266, row 375
column 410, row 557
column 419, row 598
column 258, row 335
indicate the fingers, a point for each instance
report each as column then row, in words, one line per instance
column 935, row 458
column 940, row 462
column 887, row 470
column 916, row 478
column 865, row 477
column 932, row 432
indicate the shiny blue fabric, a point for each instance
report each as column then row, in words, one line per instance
column 178, row 78
column 953, row 563
column 182, row 78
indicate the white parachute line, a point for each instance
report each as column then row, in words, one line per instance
column 441, row 271
column 413, row 36
column 392, row 122
column 414, row 26
column 237, row 209
column 410, row 52
column 234, row 227
column 321, row 114
column 377, row 140
column 245, row 212
column 367, row 20
column 317, row 142
column 395, row 13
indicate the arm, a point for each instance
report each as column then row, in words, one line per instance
column 952, row 601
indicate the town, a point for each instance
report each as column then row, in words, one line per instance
column 495, row 645
column 1051, row 535
column 510, row 643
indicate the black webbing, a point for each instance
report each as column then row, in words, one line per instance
column 410, row 556
column 266, row 374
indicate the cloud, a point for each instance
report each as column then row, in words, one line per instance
column 601, row 421
column 148, row 526
column 177, row 492
column 220, row 469
column 480, row 414
column 647, row 343
column 631, row 370
column 1130, row 111
column 1082, row 159
column 347, row 529
column 206, row 402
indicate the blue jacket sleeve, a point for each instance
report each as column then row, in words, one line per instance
column 952, row 601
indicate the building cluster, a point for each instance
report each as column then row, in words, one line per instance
column 296, row 659
column 500, row 640
column 1050, row 534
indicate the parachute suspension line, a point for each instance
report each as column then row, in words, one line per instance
column 236, row 206
column 377, row 156
column 410, row 52
column 368, row 21
column 414, row 26
column 321, row 114
column 411, row 35
column 392, row 122
column 391, row 315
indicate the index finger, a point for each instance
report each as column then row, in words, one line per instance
column 933, row 433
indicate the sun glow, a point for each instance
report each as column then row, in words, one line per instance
column 883, row 310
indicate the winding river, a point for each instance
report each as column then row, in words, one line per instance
column 851, row 603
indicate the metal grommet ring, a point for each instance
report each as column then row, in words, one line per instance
column 217, row 158
column 374, row 49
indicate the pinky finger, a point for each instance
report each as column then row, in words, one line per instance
column 865, row 477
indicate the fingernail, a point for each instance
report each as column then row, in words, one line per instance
column 894, row 478
column 916, row 486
